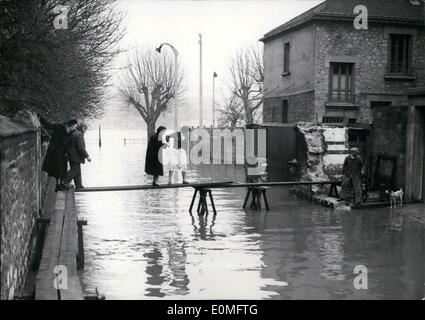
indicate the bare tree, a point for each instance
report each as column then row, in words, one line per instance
column 231, row 113
column 247, row 77
column 150, row 84
column 57, row 72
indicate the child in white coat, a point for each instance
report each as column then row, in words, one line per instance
column 175, row 158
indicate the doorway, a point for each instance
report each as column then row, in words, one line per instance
column 284, row 111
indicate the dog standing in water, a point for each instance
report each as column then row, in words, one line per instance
column 395, row 196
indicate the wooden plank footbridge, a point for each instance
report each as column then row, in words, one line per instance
column 256, row 190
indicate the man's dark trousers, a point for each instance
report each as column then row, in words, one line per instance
column 355, row 182
column 74, row 173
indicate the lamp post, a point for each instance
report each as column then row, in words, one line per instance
column 213, row 97
column 176, row 54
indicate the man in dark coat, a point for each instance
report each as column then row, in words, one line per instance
column 55, row 161
column 153, row 165
column 352, row 172
column 77, row 154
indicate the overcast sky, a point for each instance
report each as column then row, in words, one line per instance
column 226, row 27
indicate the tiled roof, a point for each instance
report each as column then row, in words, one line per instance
column 400, row 11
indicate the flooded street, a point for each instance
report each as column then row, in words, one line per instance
column 146, row 245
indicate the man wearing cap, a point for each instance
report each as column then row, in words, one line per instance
column 76, row 154
column 352, row 171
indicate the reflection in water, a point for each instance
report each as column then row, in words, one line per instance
column 154, row 272
column 200, row 228
column 146, row 245
column 396, row 221
column 177, row 264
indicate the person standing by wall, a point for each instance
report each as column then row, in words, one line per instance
column 55, row 161
column 77, row 154
column 352, row 171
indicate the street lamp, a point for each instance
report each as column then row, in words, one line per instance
column 176, row 53
column 213, row 97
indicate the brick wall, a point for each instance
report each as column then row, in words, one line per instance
column 272, row 110
column 300, row 108
column 20, row 183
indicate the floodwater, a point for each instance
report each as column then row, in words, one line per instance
column 146, row 245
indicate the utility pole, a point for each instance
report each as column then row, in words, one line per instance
column 201, row 120
column 213, row 97
column 100, row 137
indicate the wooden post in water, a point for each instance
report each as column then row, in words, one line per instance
column 100, row 137
column 80, row 224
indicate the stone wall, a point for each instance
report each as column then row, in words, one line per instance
column 20, row 202
column 326, row 149
column 368, row 50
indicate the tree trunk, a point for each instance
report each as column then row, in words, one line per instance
column 151, row 128
column 248, row 116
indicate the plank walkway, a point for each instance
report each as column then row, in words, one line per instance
column 59, row 254
column 151, row 187
column 217, row 185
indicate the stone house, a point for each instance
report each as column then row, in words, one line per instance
column 320, row 68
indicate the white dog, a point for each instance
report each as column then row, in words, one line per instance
column 395, row 196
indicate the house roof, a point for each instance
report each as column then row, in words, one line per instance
column 393, row 11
